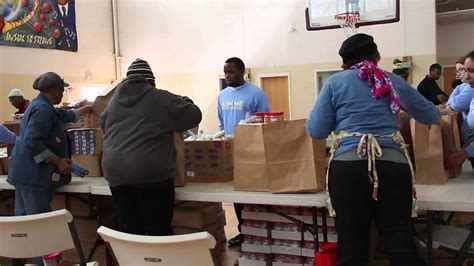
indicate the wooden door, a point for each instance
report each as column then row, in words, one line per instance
column 449, row 74
column 278, row 94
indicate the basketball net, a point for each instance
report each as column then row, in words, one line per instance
column 348, row 22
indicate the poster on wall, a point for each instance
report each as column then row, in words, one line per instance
column 49, row 24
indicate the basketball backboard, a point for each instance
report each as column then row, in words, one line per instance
column 320, row 14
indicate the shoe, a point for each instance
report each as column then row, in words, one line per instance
column 236, row 240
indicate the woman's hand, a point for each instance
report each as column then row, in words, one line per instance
column 62, row 164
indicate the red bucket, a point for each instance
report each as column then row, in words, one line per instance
column 326, row 256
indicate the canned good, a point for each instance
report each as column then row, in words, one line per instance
column 276, row 116
column 259, row 117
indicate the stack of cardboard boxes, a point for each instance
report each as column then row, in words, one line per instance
column 192, row 217
column 209, row 161
column 271, row 239
column 86, row 149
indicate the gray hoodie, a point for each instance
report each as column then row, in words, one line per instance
column 138, row 126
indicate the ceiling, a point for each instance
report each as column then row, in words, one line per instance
column 453, row 5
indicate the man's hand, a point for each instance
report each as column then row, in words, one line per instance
column 442, row 98
column 457, row 158
column 62, row 164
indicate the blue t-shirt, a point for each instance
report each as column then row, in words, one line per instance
column 234, row 104
column 346, row 104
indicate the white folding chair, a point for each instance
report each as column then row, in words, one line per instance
column 189, row 249
column 38, row 235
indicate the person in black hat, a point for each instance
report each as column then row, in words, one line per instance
column 139, row 154
column 369, row 173
column 39, row 162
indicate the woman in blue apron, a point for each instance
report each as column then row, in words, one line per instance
column 370, row 177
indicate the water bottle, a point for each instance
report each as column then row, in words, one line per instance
column 78, row 170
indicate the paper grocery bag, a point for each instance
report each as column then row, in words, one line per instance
column 278, row 157
column 428, row 151
column 451, row 140
column 406, row 134
column 179, row 175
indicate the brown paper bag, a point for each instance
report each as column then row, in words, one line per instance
column 278, row 157
column 406, row 134
column 428, row 151
column 179, row 176
column 451, row 140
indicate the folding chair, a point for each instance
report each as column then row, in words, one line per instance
column 189, row 249
column 38, row 235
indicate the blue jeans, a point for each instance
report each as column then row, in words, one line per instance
column 29, row 202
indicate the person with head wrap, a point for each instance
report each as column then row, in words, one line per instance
column 40, row 158
column 401, row 68
column 138, row 150
column 369, row 173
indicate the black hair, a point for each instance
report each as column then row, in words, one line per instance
column 435, row 66
column 237, row 62
column 374, row 57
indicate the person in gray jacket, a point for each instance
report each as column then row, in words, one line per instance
column 138, row 150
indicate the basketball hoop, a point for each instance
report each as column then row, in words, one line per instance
column 348, row 22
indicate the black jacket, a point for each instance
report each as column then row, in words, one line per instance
column 430, row 89
column 138, row 126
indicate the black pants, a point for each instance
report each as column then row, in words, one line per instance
column 351, row 196
column 238, row 208
column 145, row 209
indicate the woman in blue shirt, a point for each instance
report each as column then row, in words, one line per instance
column 467, row 75
column 369, row 175
column 40, row 159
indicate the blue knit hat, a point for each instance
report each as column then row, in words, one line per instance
column 141, row 67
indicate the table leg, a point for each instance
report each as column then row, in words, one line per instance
column 325, row 225
column 462, row 253
column 314, row 212
column 429, row 222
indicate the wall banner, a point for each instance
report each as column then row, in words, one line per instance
column 47, row 24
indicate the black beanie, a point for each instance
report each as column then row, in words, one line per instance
column 142, row 68
column 357, row 46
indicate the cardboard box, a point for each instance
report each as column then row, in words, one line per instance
column 89, row 162
column 86, row 121
column 86, row 141
column 209, row 161
column 249, row 262
column 4, row 161
column 195, row 218
column 286, row 250
column 252, row 231
column 277, row 263
column 267, row 249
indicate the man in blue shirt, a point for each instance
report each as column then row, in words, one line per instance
column 239, row 100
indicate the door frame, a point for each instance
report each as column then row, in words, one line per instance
column 317, row 88
column 276, row 75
